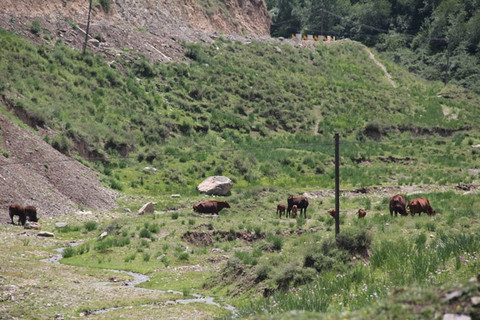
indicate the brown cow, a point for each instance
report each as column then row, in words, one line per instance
column 332, row 212
column 210, row 206
column 31, row 213
column 420, row 205
column 300, row 202
column 361, row 213
column 280, row 209
column 294, row 211
column 397, row 205
column 17, row 210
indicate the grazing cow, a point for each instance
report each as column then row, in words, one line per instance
column 294, row 211
column 210, row 206
column 397, row 205
column 361, row 213
column 280, row 209
column 31, row 213
column 420, row 205
column 300, row 202
column 17, row 210
column 332, row 212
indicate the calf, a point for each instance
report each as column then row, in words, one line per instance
column 294, row 211
column 332, row 212
column 17, row 210
column 210, row 206
column 280, row 209
column 361, row 213
column 397, row 205
column 420, row 205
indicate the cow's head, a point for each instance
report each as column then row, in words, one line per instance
column 226, row 204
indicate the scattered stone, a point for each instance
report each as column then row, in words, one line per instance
column 150, row 169
column 452, row 316
column 103, row 235
column 127, row 210
column 476, row 146
column 45, row 234
column 32, row 225
column 61, row 224
column 216, row 185
column 453, row 295
column 475, row 301
column 175, row 195
column 147, row 208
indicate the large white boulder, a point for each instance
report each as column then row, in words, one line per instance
column 216, row 185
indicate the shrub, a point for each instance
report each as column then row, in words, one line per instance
column 68, row 252
column 145, row 233
column 36, row 27
column 354, row 241
column 90, row 225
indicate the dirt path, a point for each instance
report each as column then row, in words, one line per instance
column 389, row 77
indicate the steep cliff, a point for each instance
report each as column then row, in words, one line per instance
column 153, row 27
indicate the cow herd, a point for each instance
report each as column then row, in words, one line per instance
column 23, row 213
column 418, row 205
column 295, row 205
column 397, row 205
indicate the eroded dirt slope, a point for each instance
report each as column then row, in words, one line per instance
column 32, row 172
column 153, row 28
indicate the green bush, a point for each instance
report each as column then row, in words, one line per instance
column 36, row 27
column 90, row 225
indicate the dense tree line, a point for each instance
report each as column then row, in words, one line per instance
column 438, row 39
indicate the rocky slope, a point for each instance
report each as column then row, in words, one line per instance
column 153, row 28
column 34, row 173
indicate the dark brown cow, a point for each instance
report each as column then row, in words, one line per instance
column 17, row 210
column 361, row 213
column 280, row 209
column 300, row 202
column 397, row 205
column 420, row 205
column 210, row 206
column 31, row 213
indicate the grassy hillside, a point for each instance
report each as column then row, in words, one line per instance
column 250, row 112
column 263, row 114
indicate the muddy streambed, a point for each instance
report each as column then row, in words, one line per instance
column 138, row 278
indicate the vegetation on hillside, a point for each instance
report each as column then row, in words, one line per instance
column 439, row 40
column 260, row 113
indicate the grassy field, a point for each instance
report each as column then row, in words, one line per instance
column 248, row 258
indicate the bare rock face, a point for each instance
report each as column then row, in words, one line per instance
column 216, row 185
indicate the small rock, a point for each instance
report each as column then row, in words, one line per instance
column 453, row 295
column 61, row 224
column 32, row 225
column 475, row 301
column 150, row 169
column 127, row 210
column 103, row 235
column 452, row 316
column 175, row 195
column 45, row 234
column 147, row 208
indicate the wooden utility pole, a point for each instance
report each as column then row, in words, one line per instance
column 337, row 185
column 88, row 27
